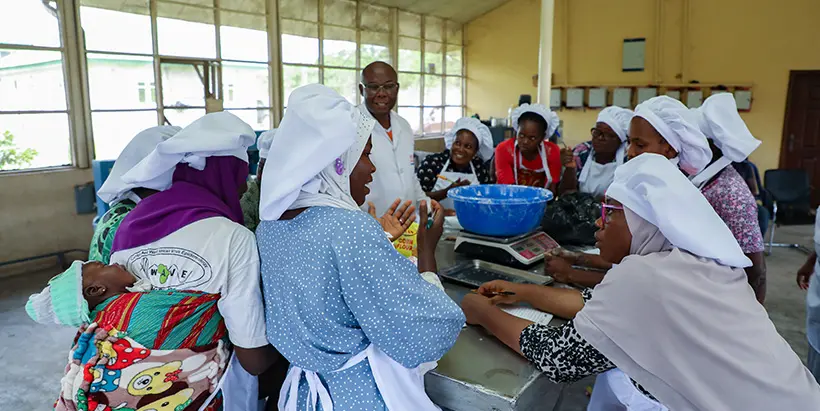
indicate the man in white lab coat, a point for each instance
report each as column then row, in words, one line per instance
column 392, row 138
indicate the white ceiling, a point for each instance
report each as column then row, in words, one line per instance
column 458, row 10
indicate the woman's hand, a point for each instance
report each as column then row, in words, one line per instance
column 568, row 158
column 397, row 219
column 804, row 277
column 805, row 272
column 475, row 306
column 492, row 289
column 427, row 237
column 459, row 183
column 570, row 256
column 559, row 268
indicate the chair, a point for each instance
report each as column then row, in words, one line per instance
column 787, row 188
column 764, row 210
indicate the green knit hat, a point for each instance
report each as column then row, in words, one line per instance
column 62, row 301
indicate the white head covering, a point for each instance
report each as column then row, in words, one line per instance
column 482, row 133
column 114, row 189
column 686, row 328
column 618, row 118
column 654, row 189
column 549, row 116
column 719, row 120
column 264, row 142
column 319, row 142
column 679, row 127
column 215, row 134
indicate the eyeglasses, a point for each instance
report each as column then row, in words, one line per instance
column 606, row 212
column 390, row 88
column 598, row 134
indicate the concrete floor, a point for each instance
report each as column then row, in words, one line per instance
column 33, row 356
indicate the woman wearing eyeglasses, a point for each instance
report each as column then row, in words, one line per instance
column 589, row 167
column 703, row 142
column 675, row 316
column 530, row 159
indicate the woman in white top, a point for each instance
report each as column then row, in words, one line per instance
column 191, row 237
column 808, row 278
column 469, row 146
column 590, row 166
column 675, row 314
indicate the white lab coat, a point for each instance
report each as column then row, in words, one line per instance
column 395, row 175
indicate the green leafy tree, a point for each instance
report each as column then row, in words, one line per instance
column 11, row 156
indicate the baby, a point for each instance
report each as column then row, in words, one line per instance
column 69, row 298
column 160, row 349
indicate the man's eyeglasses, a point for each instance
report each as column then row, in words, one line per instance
column 390, row 88
column 606, row 212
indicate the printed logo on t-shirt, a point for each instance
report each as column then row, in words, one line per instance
column 170, row 267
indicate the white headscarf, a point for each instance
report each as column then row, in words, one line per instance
column 686, row 328
column 482, row 134
column 618, row 119
column 114, row 189
column 549, row 116
column 654, row 189
column 264, row 142
column 318, row 143
column 678, row 125
column 215, row 134
column 719, row 120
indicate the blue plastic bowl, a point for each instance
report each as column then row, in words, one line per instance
column 499, row 210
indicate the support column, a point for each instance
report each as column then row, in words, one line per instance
column 277, row 100
column 545, row 52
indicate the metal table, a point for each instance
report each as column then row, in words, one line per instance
column 480, row 372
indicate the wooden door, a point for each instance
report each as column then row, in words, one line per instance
column 800, row 146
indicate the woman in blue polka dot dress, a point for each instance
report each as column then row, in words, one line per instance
column 355, row 319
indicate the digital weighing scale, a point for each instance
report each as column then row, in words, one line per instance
column 519, row 251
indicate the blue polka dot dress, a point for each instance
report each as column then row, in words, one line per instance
column 333, row 284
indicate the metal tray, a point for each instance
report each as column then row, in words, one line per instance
column 473, row 273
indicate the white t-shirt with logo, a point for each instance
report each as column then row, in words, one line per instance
column 214, row 255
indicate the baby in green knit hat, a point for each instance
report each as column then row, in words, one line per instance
column 70, row 296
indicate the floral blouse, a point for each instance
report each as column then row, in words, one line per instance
column 732, row 200
column 564, row 355
column 433, row 165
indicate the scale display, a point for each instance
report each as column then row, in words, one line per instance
column 523, row 250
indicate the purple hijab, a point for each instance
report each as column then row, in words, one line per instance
column 194, row 195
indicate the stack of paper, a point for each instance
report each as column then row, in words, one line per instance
column 528, row 313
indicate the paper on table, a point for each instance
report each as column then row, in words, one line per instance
column 528, row 313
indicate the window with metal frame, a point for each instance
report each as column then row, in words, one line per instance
column 431, row 73
column 34, row 111
column 330, row 41
column 192, row 53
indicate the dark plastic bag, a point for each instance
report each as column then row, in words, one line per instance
column 570, row 219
